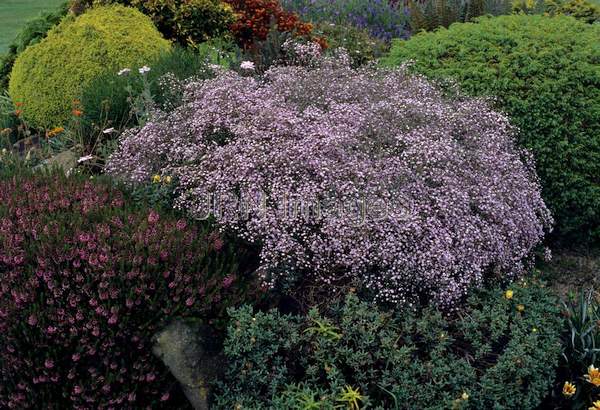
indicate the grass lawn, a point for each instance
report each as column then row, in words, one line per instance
column 13, row 13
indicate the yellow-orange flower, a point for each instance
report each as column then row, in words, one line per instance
column 18, row 112
column 593, row 376
column 167, row 179
column 520, row 308
column 569, row 389
column 77, row 113
column 508, row 294
column 156, row 179
column 595, row 405
column 18, row 104
column 54, row 132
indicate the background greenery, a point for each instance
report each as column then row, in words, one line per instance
column 525, row 63
column 14, row 14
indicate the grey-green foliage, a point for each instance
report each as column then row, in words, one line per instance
column 498, row 356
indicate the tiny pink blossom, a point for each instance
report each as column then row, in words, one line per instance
column 153, row 217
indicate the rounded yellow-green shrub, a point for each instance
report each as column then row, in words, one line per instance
column 47, row 77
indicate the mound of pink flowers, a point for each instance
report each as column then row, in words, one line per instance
column 340, row 174
column 86, row 280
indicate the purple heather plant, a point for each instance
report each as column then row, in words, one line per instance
column 370, row 175
column 86, row 281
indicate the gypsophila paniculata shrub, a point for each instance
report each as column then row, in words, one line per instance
column 545, row 74
column 372, row 175
column 86, row 279
column 500, row 353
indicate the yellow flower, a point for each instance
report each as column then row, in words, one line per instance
column 54, row 132
column 167, row 179
column 520, row 308
column 465, row 396
column 508, row 294
column 593, row 376
column 596, row 405
column 156, row 179
column 569, row 389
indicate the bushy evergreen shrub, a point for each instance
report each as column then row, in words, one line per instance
column 545, row 74
column 189, row 22
column 48, row 76
column 106, row 100
column 580, row 9
column 86, row 279
column 346, row 174
column 500, row 352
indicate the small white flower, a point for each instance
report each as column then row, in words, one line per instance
column 124, row 71
column 109, row 130
column 144, row 69
column 247, row 65
column 84, row 159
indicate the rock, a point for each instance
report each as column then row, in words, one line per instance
column 185, row 348
column 66, row 160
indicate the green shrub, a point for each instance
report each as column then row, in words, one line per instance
column 500, row 351
column 32, row 33
column 361, row 46
column 106, row 100
column 580, row 9
column 545, row 73
column 189, row 22
column 121, row 101
column 48, row 76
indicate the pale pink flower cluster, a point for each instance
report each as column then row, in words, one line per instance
column 417, row 196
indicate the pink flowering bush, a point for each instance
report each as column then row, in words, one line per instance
column 85, row 282
column 340, row 174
